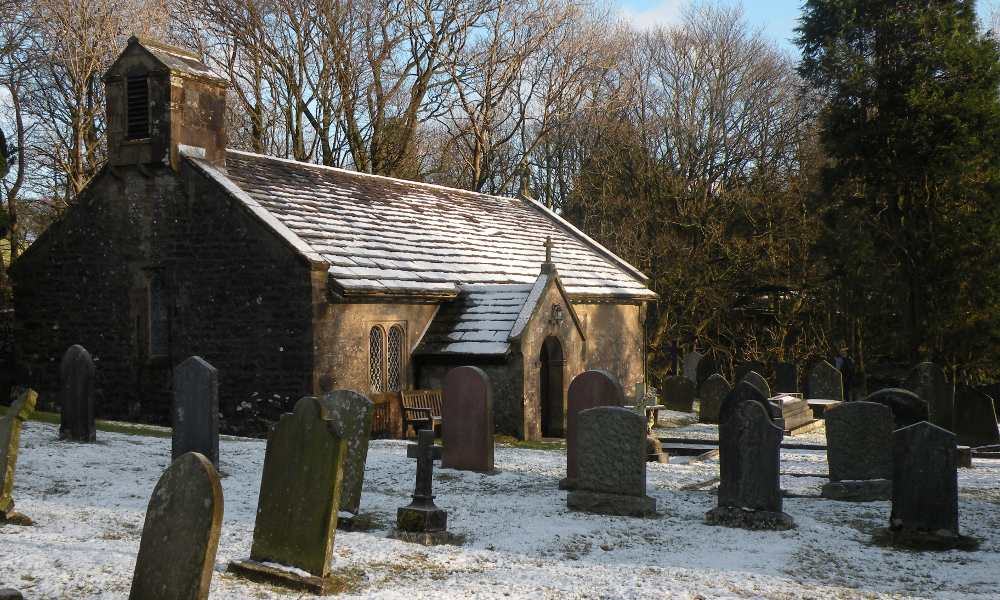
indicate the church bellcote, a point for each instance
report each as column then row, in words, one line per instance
column 162, row 100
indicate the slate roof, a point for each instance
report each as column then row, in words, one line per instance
column 388, row 236
column 478, row 321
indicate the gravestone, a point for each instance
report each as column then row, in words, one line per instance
column 299, row 498
column 757, row 380
column 180, row 536
column 713, row 392
column 907, row 407
column 677, row 393
column 10, row 439
column 859, row 452
column 975, row 418
column 928, row 381
column 743, row 392
column 467, row 420
column 750, row 366
column 612, row 464
column 750, row 480
column 691, row 365
column 422, row 521
column 196, row 410
column 10, row 594
column 589, row 389
column 786, row 378
column 351, row 414
column 826, row 383
column 706, row 368
column 77, row 396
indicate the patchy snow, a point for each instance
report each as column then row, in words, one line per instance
column 89, row 502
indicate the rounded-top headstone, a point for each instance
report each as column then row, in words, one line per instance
column 589, row 389
column 975, row 420
column 77, row 396
column 706, row 368
column 907, row 407
column 859, row 441
column 743, row 368
column 757, row 380
column 677, row 393
column 928, row 381
column 467, row 420
column 691, row 365
column 713, row 392
column 743, row 392
column 352, row 414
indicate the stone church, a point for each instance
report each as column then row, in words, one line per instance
column 293, row 279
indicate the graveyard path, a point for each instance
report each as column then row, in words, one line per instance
column 89, row 502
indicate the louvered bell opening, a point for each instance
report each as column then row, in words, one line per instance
column 137, row 94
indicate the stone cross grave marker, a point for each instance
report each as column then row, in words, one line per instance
column 713, row 392
column 750, row 366
column 750, row 480
column 706, row 368
column 77, row 396
column 421, row 520
column 677, row 393
column 467, row 420
column 743, row 392
column 351, row 414
column 589, row 389
column 907, row 408
column 859, row 452
column 196, row 410
column 10, row 439
column 612, row 464
column 757, row 380
column 786, row 378
column 826, row 383
column 691, row 365
column 928, row 381
column 676, row 353
column 181, row 534
column 975, row 420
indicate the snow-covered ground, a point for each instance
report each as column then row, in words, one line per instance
column 89, row 502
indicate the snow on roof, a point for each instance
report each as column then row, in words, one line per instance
column 389, row 236
column 478, row 321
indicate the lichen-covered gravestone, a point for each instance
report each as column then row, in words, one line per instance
column 750, row 481
column 786, row 378
column 738, row 395
column 299, row 500
column 691, row 365
column 196, row 410
column 611, row 471
column 181, row 534
column 859, row 452
column 351, row 414
column 589, row 389
column 907, row 407
column 928, row 381
column 975, row 421
column 757, row 380
column 713, row 392
column 77, row 396
column 10, row 439
column 706, row 368
column 677, row 393
column 467, row 420
column 826, row 382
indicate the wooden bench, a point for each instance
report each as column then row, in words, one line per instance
column 421, row 409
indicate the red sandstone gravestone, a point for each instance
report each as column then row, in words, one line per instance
column 589, row 389
column 467, row 420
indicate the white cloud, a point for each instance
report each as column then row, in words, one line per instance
column 666, row 12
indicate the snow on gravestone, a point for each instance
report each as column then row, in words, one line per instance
column 757, row 380
column 181, row 534
column 859, row 452
column 611, row 467
column 928, row 381
column 975, row 421
column 677, row 393
column 589, row 389
column 826, row 383
column 786, row 378
column 196, row 410
column 10, row 439
column 713, row 392
column 467, row 420
column 907, row 407
column 76, row 372
column 924, row 481
column 352, row 415
column 749, row 461
column 690, row 369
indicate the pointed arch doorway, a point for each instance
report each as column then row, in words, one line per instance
column 550, row 389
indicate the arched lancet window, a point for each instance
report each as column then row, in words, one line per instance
column 394, row 367
column 375, row 355
column 159, row 323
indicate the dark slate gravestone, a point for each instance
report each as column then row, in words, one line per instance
column 751, row 366
column 738, row 395
column 299, row 498
column 77, row 396
column 612, row 464
column 928, row 381
column 589, row 389
column 181, row 534
column 826, row 383
column 691, row 365
column 706, row 368
column 907, row 407
column 859, row 452
column 352, row 415
column 757, row 380
column 196, row 410
column 786, row 378
column 750, row 480
column 713, row 392
column 467, row 420
column 975, row 419
column 677, row 393
column 10, row 439
column 10, row 594
column 422, row 521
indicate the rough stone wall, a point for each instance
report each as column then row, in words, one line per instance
column 614, row 341
column 237, row 296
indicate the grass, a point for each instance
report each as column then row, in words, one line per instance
column 512, row 442
column 112, row 426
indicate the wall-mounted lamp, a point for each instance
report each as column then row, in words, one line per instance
column 558, row 315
